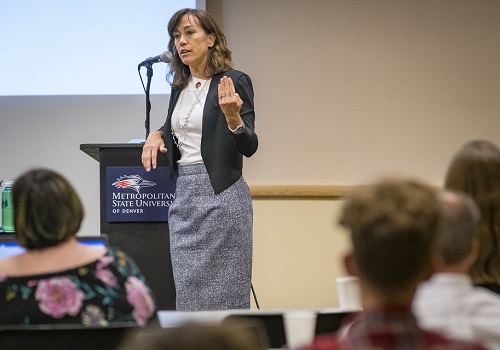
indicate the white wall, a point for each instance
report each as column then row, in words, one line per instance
column 348, row 90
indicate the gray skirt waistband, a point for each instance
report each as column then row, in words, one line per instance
column 191, row 169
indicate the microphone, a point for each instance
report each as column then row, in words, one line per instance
column 165, row 57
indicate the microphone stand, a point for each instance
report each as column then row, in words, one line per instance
column 149, row 68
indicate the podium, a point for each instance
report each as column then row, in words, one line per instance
column 147, row 242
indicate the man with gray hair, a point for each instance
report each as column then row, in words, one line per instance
column 448, row 302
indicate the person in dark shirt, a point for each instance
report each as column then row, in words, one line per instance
column 57, row 279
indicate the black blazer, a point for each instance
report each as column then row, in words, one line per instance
column 222, row 152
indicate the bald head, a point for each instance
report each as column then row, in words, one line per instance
column 457, row 227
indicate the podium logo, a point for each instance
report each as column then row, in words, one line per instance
column 134, row 182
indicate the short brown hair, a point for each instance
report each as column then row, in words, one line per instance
column 392, row 225
column 47, row 209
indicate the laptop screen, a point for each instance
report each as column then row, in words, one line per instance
column 9, row 246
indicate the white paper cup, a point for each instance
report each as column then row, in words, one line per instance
column 300, row 327
column 348, row 292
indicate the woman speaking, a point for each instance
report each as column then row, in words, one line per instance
column 208, row 130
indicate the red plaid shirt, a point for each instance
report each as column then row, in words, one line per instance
column 394, row 328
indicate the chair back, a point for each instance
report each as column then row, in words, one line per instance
column 271, row 323
column 330, row 321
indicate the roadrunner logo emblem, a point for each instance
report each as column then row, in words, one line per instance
column 134, row 182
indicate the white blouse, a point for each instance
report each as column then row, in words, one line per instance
column 187, row 120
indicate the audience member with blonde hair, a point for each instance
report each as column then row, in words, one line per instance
column 475, row 170
column 448, row 302
column 57, row 279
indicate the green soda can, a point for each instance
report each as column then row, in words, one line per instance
column 7, row 206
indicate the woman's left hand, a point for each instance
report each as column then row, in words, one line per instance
column 230, row 102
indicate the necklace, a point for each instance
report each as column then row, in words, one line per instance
column 182, row 129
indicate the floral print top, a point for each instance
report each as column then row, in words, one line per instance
column 110, row 289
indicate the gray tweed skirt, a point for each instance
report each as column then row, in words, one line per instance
column 210, row 242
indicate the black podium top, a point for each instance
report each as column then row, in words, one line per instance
column 92, row 149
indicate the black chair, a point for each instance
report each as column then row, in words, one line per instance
column 330, row 321
column 64, row 336
column 272, row 323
